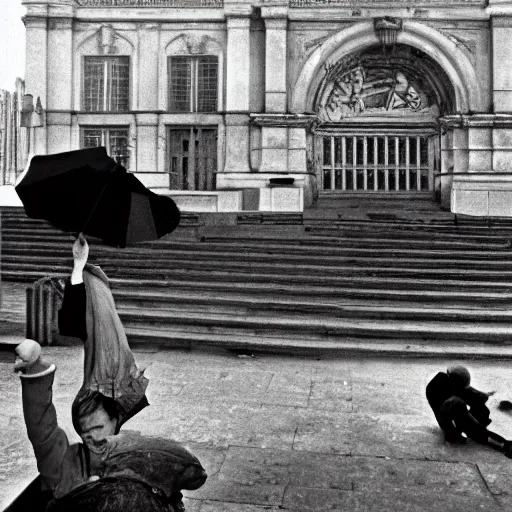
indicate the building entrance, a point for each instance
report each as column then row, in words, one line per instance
column 192, row 157
column 378, row 162
column 378, row 128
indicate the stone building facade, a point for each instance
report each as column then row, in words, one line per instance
column 404, row 97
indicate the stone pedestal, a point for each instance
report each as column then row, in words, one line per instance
column 480, row 180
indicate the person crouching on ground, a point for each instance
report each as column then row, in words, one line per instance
column 450, row 395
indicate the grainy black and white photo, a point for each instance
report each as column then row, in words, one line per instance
column 255, row 255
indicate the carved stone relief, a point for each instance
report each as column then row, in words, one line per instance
column 354, row 87
column 192, row 43
column 107, row 40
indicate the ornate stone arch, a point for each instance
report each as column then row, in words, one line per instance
column 450, row 58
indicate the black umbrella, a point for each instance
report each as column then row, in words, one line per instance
column 86, row 191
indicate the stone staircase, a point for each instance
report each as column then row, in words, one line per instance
column 353, row 275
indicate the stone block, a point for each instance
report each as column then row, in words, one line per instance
column 230, row 201
column 502, row 53
column 460, row 139
column 500, row 203
column 502, row 101
column 480, row 138
column 460, row 160
column 59, row 138
column 274, row 137
column 297, row 160
column 502, row 160
column 480, row 160
column 470, row 202
column 147, row 148
column 237, row 149
column 274, row 160
column 282, row 199
column 251, row 199
column 297, row 138
column 502, row 138
column 275, row 102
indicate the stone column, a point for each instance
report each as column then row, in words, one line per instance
column 60, row 84
column 238, row 65
column 36, row 52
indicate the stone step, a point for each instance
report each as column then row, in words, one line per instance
column 305, row 324
column 240, row 249
column 450, row 295
column 238, row 304
column 343, row 233
column 329, row 264
column 351, row 277
column 311, row 346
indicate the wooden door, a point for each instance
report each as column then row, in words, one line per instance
column 192, row 158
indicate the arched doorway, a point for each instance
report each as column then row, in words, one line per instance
column 378, row 127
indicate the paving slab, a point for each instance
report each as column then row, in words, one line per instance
column 306, row 500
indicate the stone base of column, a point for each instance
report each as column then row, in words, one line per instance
column 479, row 179
column 237, row 136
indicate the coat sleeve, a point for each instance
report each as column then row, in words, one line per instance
column 72, row 313
column 49, row 441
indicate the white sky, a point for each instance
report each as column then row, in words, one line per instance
column 12, row 43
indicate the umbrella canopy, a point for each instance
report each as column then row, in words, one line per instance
column 86, row 191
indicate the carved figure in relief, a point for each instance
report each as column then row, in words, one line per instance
column 403, row 95
column 360, row 91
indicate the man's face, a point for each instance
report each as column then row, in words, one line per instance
column 95, row 428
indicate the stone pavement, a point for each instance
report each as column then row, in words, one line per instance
column 297, row 434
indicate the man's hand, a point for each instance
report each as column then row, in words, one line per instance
column 80, row 251
column 27, row 352
column 80, row 255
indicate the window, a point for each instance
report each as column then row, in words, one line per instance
column 106, row 85
column 193, row 84
column 115, row 139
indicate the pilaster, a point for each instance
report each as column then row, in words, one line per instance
column 148, row 94
column 238, row 67
column 276, row 24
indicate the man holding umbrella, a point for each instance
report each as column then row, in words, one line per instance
column 106, row 472
column 86, row 191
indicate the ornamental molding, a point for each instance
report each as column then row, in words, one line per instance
column 284, row 120
column 192, row 44
column 149, row 3
column 466, row 121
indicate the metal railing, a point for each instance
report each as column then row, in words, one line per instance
column 390, row 163
column 150, row 3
